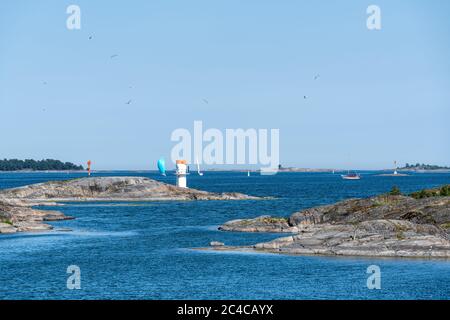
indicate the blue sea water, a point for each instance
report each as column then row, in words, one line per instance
column 144, row 250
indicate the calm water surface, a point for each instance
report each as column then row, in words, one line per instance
column 143, row 250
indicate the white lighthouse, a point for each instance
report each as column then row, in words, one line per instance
column 182, row 170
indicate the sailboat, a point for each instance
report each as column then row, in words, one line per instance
column 351, row 176
column 162, row 166
column 248, row 173
column 198, row 168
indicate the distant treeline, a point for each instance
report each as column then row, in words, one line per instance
column 36, row 165
column 419, row 166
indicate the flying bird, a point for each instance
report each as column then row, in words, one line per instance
column 114, row 55
column 90, row 37
column 305, row 97
column 205, row 101
column 317, row 76
column 128, row 102
column 44, row 82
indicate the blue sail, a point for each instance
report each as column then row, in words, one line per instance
column 162, row 166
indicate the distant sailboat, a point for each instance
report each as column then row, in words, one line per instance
column 248, row 173
column 351, row 176
column 162, row 166
column 198, row 168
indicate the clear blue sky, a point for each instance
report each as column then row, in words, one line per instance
column 381, row 96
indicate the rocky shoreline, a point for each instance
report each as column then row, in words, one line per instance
column 17, row 214
column 15, row 217
column 382, row 226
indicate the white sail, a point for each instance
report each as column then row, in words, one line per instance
column 198, row 168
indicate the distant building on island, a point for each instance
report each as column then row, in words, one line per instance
column 418, row 166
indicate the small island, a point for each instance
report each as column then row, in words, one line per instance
column 18, row 215
column 37, row 165
column 388, row 225
column 423, row 167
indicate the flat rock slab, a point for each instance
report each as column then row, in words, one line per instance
column 259, row 224
column 111, row 189
column 7, row 228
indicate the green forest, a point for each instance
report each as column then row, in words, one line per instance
column 419, row 166
column 37, row 165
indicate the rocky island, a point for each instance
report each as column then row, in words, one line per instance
column 424, row 167
column 387, row 226
column 17, row 214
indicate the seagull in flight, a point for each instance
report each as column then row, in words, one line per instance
column 317, row 76
column 90, row 37
column 128, row 102
column 205, row 101
column 114, row 55
column 305, row 97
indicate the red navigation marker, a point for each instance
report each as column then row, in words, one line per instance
column 89, row 167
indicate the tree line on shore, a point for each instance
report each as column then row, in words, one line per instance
column 37, row 165
column 423, row 166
